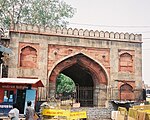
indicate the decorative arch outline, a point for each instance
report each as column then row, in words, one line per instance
column 75, row 54
column 28, row 45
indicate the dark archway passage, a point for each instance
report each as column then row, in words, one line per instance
column 80, row 75
column 84, row 84
column 88, row 75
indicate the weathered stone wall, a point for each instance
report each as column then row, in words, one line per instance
column 78, row 33
column 46, row 42
column 96, row 113
column 118, row 54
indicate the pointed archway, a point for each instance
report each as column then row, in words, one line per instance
column 88, row 75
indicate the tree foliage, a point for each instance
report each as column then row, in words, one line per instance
column 36, row 12
column 64, row 84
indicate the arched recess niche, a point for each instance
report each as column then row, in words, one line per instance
column 28, row 57
column 126, row 62
column 126, row 92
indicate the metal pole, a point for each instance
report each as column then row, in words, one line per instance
column 1, row 70
column 78, row 91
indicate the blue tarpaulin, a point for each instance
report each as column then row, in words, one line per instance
column 5, row 50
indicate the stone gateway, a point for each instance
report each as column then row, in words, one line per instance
column 105, row 66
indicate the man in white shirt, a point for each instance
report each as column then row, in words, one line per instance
column 29, row 111
column 14, row 113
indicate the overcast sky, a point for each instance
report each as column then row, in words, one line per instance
column 134, row 15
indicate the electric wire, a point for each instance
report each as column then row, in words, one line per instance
column 118, row 26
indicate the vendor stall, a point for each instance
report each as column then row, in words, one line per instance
column 19, row 91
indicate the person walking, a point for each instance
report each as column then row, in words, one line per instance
column 14, row 113
column 29, row 111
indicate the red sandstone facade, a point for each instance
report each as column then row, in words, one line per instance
column 110, row 63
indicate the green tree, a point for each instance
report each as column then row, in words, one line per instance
column 64, row 85
column 37, row 12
